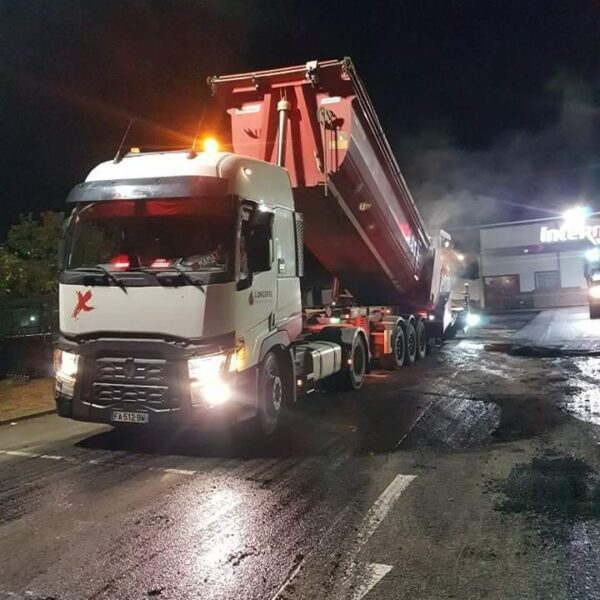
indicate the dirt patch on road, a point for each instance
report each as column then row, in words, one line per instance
column 555, row 486
column 20, row 399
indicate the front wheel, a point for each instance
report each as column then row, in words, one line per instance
column 271, row 394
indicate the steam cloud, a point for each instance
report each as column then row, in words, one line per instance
column 521, row 176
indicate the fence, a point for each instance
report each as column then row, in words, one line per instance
column 27, row 330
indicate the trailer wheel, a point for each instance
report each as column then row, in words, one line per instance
column 594, row 311
column 421, row 340
column 271, row 394
column 411, row 344
column 395, row 359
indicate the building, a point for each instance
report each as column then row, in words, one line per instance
column 536, row 264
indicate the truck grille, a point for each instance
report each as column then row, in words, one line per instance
column 147, row 381
column 113, row 394
column 131, row 370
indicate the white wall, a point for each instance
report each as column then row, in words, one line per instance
column 513, row 235
column 523, row 265
column 571, row 269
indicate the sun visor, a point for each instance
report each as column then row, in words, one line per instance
column 139, row 189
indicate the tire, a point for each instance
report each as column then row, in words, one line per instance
column 395, row 359
column 353, row 377
column 411, row 344
column 421, row 340
column 594, row 311
column 450, row 333
column 271, row 394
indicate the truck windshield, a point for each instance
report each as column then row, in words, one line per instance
column 195, row 234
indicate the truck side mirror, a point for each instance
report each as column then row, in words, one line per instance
column 259, row 242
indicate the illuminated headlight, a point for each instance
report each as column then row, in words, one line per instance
column 595, row 292
column 431, row 317
column 592, row 255
column 207, row 379
column 473, row 319
column 65, row 369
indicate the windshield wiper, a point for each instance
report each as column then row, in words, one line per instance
column 111, row 276
column 184, row 274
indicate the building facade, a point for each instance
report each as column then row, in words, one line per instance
column 536, row 264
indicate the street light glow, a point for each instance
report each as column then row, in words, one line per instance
column 576, row 216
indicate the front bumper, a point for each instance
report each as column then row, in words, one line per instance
column 147, row 376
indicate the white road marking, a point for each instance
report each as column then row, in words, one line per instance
column 25, row 594
column 177, row 471
column 94, row 461
column 375, row 572
column 381, row 507
column 365, row 578
column 20, row 453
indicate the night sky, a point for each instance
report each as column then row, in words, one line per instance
column 492, row 107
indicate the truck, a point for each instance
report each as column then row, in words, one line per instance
column 185, row 288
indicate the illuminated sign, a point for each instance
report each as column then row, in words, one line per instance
column 570, row 233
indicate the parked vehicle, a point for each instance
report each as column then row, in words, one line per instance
column 592, row 276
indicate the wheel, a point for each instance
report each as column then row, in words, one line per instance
column 450, row 333
column 271, row 394
column 353, row 377
column 421, row 340
column 395, row 359
column 411, row 344
column 594, row 311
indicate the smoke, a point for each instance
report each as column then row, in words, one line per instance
column 520, row 176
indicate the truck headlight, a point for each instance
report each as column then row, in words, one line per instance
column 207, row 379
column 592, row 255
column 595, row 292
column 473, row 319
column 65, row 370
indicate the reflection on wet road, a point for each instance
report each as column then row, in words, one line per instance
column 584, row 400
column 472, row 474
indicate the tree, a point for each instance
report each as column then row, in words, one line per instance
column 28, row 259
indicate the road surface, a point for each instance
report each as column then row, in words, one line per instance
column 474, row 474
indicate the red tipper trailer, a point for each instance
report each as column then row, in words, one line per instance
column 361, row 222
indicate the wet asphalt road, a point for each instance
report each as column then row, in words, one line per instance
column 474, row 474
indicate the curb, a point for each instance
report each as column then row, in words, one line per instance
column 27, row 417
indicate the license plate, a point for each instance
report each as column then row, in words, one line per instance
column 124, row 416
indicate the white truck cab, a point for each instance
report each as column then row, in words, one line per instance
column 180, row 274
